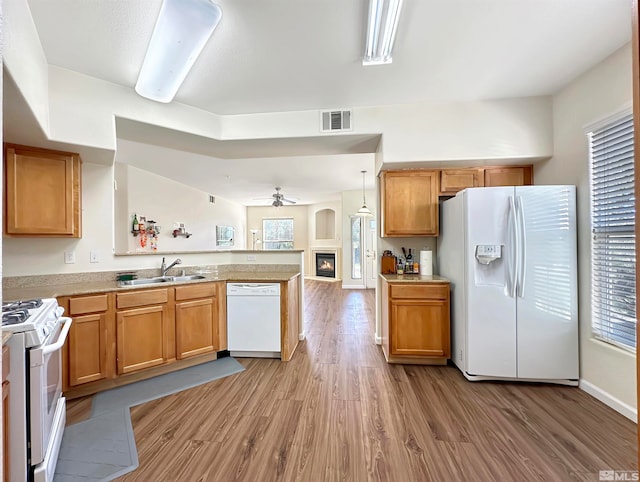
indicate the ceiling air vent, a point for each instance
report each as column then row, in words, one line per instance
column 335, row 120
column 212, row 199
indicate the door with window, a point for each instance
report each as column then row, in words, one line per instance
column 363, row 250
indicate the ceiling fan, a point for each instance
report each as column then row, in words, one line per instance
column 278, row 199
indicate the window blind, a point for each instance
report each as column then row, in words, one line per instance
column 613, row 256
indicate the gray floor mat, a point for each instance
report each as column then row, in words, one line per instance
column 163, row 385
column 97, row 449
column 103, row 447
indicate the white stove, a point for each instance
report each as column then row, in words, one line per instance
column 39, row 333
column 36, row 318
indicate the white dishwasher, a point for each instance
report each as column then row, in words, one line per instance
column 253, row 319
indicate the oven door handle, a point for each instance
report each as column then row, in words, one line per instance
column 46, row 350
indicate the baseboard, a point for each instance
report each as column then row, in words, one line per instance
column 618, row 405
column 353, row 287
column 378, row 340
column 301, row 336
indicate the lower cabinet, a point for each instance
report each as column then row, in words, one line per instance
column 196, row 320
column 86, row 354
column 416, row 322
column 142, row 329
column 116, row 336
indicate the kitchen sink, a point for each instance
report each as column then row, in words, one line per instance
column 146, row 281
column 189, row 277
column 160, row 279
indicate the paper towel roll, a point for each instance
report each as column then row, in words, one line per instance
column 426, row 263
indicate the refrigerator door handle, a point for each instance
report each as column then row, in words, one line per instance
column 512, row 241
column 522, row 248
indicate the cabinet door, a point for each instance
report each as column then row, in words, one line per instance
column 508, row 176
column 454, row 180
column 42, row 192
column 88, row 349
column 419, row 328
column 410, row 203
column 196, row 327
column 141, row 338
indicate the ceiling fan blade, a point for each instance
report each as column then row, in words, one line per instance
column 288, row 200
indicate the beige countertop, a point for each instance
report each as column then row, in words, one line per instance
column 72, row 289
column 413, row 278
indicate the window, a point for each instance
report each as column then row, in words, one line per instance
column 613, row 259
column 356, row 247
column 277, row 233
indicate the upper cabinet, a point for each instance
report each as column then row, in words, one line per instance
column 454, row 180
column 508, row 176
column 409, row 202
column 42, row 192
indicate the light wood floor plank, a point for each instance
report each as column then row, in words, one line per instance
column 338, row 411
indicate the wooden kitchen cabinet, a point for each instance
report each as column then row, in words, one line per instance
column 409, row 202
column 197, row 320
column 6, row 415
column 454, row 180
column 508, row 176
column 290, row 314
column 416, row 322
column 42, row 192
column 88, row 355
column 143, row 323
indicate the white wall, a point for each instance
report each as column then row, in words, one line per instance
column 26, row 256
column 601, row 91
column 255, row 215
column 24, row 58
column 167, row 202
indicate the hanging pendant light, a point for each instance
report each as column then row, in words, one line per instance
column 364, row 210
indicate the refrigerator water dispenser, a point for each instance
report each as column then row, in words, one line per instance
column 488, row 253
column 489, row 269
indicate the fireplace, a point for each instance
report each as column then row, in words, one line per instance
column 326, row 265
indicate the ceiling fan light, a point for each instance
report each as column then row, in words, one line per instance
column 181, row 32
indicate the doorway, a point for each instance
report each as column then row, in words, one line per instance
column 363, row 250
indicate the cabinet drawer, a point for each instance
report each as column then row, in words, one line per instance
column 423, row 292
column 203, row 290
column 88, row 304
column 141, row 298
column 6, row 367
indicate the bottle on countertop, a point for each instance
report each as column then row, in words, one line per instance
column 134, row 225
column 409, row 262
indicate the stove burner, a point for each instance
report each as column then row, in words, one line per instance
column 22, row 305
column 14, row 317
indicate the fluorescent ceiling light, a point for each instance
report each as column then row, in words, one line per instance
column 381, row 31
column 182, row 29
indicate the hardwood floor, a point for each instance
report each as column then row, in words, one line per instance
column 337, row 411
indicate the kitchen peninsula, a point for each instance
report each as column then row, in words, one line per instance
column 121, row 334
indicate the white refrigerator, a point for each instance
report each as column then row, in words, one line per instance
column 510, row 254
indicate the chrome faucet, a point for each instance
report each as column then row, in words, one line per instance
column 164, row 268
